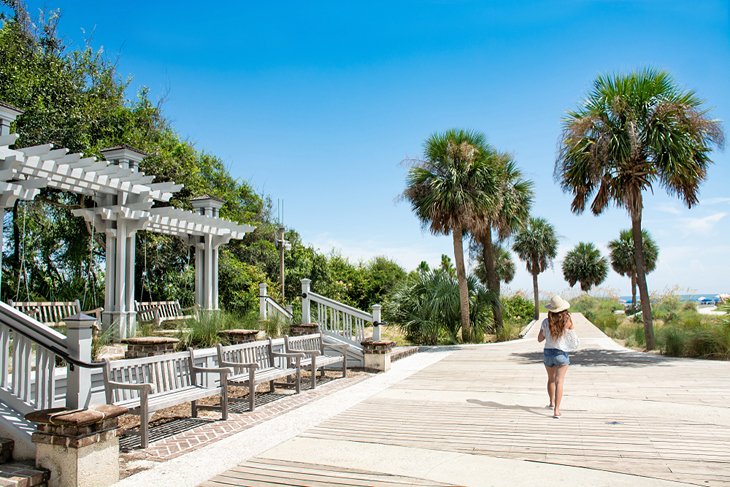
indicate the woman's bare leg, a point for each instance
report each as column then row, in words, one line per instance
column 551, row 384
column 559, row 381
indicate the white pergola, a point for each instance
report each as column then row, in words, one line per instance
column 123, row 204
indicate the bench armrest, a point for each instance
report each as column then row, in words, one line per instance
column 194, row 307
column 311, row 353
column 248, row 365
column 94, row 312
column 145, row 386
column 290, row 355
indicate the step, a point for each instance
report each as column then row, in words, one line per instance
column 6, row 450
column 23, row 475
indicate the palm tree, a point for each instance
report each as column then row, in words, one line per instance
column 621, row 253
column 537, row 245
column 585, row 264
column 632, row 132
column 446, row 191
column 508, row 212
column 504, row 265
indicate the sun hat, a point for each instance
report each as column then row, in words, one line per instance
column 557, row 304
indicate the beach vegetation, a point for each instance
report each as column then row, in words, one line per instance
column 623, row 261
column 634, row 132
column 446, row 190
column 537, row 245
column 505, row 212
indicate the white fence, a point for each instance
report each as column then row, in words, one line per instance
column 270, row 309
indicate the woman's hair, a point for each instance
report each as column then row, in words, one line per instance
column 558, row 323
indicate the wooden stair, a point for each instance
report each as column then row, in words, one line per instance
column 19, row 474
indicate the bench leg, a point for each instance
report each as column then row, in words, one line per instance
column 252, row 398
column 314, row 371
column 272, row 387
column 194, row 408
column 344, row 365
column 144, row 429
column 299, row 380
column 224, row 402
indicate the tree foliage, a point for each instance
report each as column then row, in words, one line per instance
column 537, row 245
column 584, row 264
column 631, row 133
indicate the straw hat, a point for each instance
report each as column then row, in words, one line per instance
column 557, row 304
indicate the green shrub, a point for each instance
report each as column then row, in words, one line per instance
column 517, row 309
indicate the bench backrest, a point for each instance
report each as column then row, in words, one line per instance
column 167, row 372
column 259, row 352
column 304, row 342
column 151, row 310
column 47, row 312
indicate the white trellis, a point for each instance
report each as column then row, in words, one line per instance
column 125, row 200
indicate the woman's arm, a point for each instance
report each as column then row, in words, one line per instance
column 541, row 336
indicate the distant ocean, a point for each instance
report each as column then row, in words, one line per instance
column 706, row 298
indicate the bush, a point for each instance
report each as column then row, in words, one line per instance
column 710, row 340
column 517, row 309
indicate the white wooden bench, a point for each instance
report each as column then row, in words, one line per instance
column 254, row 363
column 313, row 347
column 145, row 385
column 52, row 313
column 161, row 311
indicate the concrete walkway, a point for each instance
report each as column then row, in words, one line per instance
column 476, row 416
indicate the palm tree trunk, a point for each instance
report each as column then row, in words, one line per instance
column 641, row 278
column 633, row 289
column 461, row 278
column 536, row 294
column 492, row 279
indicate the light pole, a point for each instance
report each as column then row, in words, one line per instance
column 282, row 245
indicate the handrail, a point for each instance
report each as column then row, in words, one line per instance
column 281, row 309
column 341, row 306
column 43, row 335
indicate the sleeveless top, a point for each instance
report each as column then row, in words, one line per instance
column 549, row 342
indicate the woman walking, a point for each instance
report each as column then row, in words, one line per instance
column 554, row 331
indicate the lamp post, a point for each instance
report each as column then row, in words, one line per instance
column 282, row 245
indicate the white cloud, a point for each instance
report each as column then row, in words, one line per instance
column 702, row 225
column 668, row 208
column 715, row 201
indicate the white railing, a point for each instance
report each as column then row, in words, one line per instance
column 27, row 368
column 269, row 308
column 335, row 317
column 28, row 354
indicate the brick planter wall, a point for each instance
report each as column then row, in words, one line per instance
column 237, row 336
column 138, row 347
column 303, row 329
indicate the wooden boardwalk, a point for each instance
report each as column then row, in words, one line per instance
column 624, row 412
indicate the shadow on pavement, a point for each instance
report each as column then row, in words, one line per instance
column 491, row 404
column 597, row 357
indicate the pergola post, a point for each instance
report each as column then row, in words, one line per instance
column 8, row 114
column 206, row 256
column 121, row 232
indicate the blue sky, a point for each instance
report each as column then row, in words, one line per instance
column 319, row 104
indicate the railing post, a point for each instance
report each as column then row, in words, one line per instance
column 78, row 385
column 263, row 309
column 306, row 313
column 290, row 310
column 376, row 322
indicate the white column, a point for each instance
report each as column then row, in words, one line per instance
column 199, row 267
column 376, row 322
column 109, row 278
column 263, row 311
column 120, row 271
column 306, row 313
column 214, row 271
column 129, row 298
column 208, row 273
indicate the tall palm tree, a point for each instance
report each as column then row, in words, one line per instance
column 632, row 132
column 621, row 253
column 504, row 265
column 537, row 245
column 586, row 265
column 447, row 192
column 508, row 212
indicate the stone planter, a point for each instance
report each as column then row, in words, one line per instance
column 78, row 447
column 303, row 329
column 237, row 336
column 138, row 347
